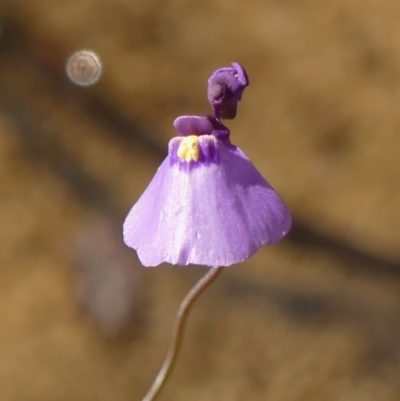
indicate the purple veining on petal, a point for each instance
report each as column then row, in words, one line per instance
column 208, row 153
column 173, row 147
column 225, row 89
column 209, row 150
column 215, row 215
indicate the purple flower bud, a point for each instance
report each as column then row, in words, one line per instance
column 207, row 203
column 225, row 88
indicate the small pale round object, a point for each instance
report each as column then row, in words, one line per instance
column 84, row 68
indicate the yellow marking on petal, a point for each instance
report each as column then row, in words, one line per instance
column 189, row 149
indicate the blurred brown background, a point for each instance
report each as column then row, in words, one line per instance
column 316, row 317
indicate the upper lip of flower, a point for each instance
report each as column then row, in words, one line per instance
column 201, row 125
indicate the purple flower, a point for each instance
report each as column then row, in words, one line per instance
column 207, row 203
column 225, row 88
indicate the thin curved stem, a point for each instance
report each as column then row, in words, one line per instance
column 177, row 334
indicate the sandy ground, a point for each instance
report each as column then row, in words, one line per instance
column 315, row 317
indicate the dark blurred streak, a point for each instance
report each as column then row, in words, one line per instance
column 300, row 306
column 377, row 325
column 127, row 130
column 108, row 273
column 50, row 151
column 49, row 59
column 306, row 237
column 36, row 53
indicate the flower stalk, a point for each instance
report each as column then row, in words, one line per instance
column 178, row 331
